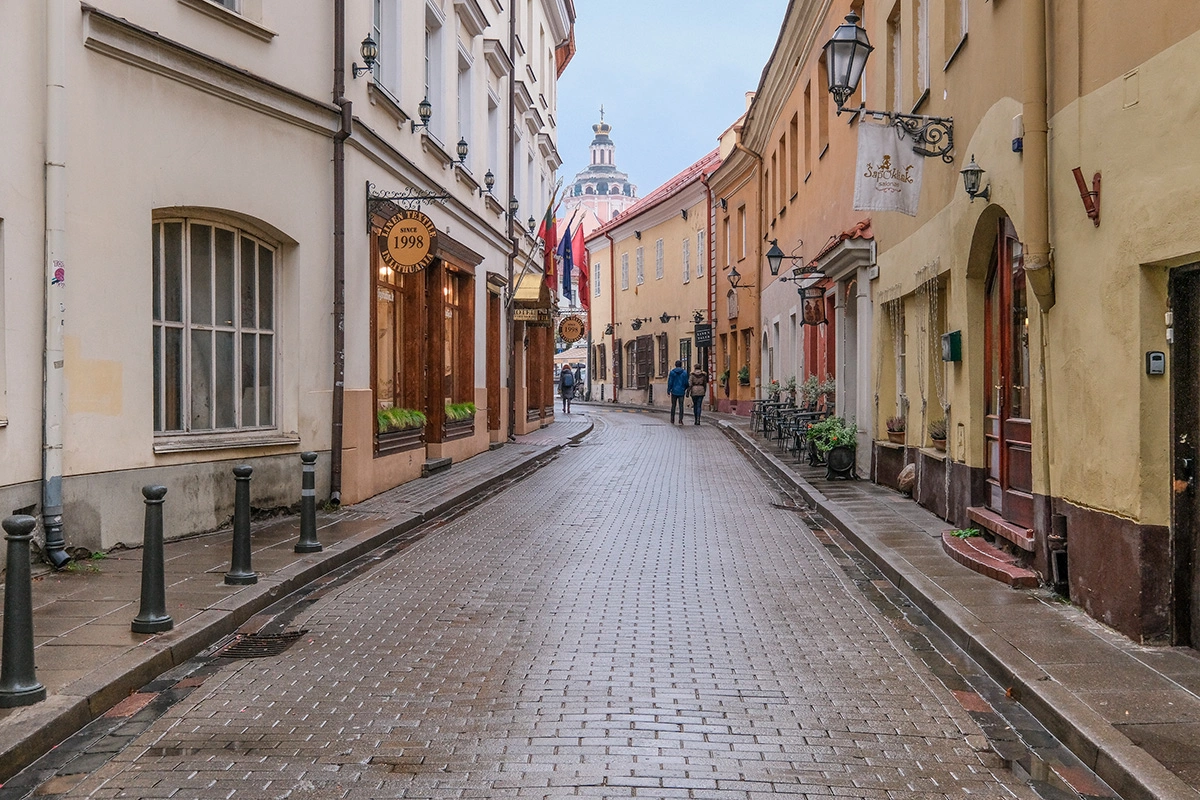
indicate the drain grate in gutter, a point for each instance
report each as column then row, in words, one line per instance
column 259, row 645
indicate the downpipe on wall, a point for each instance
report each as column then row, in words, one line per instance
column 55, row 291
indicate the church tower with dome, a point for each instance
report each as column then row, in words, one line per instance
column 601, row 191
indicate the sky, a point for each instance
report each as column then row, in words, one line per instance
column 672, row 75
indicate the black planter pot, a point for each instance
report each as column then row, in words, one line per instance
column 839, row 463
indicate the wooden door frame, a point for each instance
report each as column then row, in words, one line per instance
column 1185, row 422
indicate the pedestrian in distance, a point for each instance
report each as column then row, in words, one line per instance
column 677, row 387
column 697, row 386
column 566, row 387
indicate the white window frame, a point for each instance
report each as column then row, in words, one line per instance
column 595, row 277
column 699, row 254
column 624, row 271
column 659, row 261
column 687, row 259
column 190, row 328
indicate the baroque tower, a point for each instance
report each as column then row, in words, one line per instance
column 601, row 191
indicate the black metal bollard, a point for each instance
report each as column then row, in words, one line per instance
column 308, row 506
column 19, row 685
column 240, row 573
column 153, row 617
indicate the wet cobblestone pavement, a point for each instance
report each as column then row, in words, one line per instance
column 615, row 625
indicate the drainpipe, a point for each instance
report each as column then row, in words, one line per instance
column 710, row 300
column 56, row 257
column 1038, row 264
column 509, row 321
column 339, row 251
column 612, row 294
column 758, row 286
column 1039, row 269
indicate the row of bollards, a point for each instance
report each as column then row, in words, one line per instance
column 18, row 680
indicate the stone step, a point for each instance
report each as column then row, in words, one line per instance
column 977, row 555
column 1018, row 535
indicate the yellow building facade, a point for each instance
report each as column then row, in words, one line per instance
column 654, row 276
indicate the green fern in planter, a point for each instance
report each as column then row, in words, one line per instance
column 832, row 432
column 399, row 419
column 457, row 412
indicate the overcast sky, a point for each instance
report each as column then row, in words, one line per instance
column 671, row 75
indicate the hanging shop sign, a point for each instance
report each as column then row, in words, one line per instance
column 537, row 317
column 408, row 242
column 703, row 334
column 571, row 329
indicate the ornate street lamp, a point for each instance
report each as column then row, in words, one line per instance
column 424, row 111
column 972, row 177
column 462, row 150
column 489, row 180
column 846, row 55
column 369, row 52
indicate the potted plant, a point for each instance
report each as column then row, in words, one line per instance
column 937, row 432
column 836, row 440
column 460, row 420
column 723, row 378
column 895, row 429
column 744, row 375
column 790, row 388
column 810, row 390
column 773, row 391
column 828, row 390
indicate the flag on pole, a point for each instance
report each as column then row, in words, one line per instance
column 548, row 233
column 579, row 257
column 565, row 255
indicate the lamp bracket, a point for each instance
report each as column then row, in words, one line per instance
column 408, row 198
column 932, row 136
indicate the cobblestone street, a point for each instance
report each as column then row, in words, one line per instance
column 618, row 624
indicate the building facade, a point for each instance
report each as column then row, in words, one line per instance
column 654, row 267
column 179, row 165
column 1045, row 325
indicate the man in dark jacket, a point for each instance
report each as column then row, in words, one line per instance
column 677, row 387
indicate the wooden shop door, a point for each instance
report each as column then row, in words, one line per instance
column 1008, row 428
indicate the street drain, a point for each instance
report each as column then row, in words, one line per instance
column 259, row 645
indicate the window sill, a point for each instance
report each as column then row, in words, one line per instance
column 957, row 49
column 193, row 443
column 916, row 109
column 231, row 18
column 824, row 150
column 379, row 95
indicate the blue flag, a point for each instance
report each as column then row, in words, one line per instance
column 564, row 252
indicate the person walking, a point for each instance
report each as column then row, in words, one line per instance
column 566, row 387
column 697, row 386
column 677, row 387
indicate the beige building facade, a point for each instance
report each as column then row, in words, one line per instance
column 176, row 162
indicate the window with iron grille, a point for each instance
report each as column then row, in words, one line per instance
column 685, row 353
column 663, row 356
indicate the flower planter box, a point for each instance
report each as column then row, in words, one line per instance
column 459, row 429
column 896, row 437
column 939, row 445
column 390, row 442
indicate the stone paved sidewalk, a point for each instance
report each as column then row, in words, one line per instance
column 89, row 660
column 1131, row 713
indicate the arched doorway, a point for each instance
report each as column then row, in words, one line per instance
column 1007, row 426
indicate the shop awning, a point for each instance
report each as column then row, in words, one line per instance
column 531, row 292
